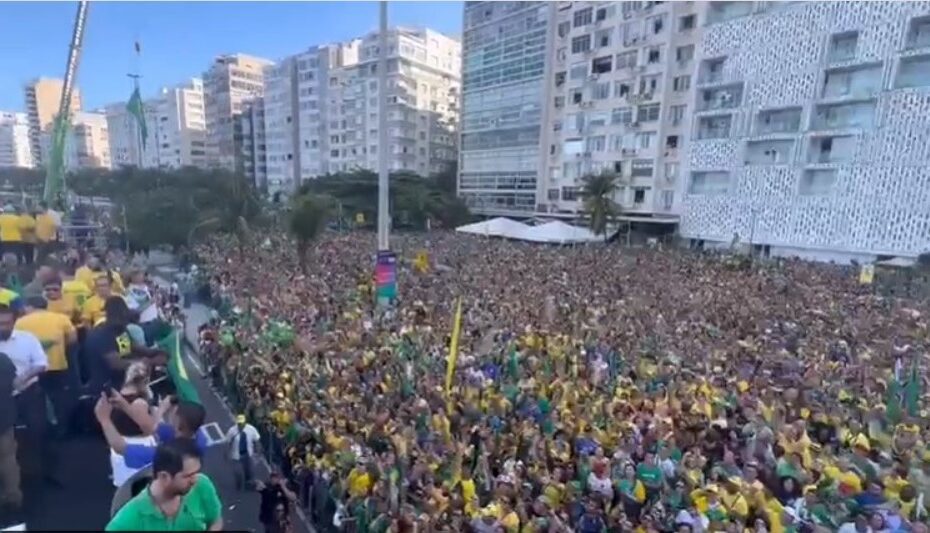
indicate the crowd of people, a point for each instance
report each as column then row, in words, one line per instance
column 595, row 388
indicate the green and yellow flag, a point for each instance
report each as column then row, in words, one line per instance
column 453, row 350
column 137, row 110
column 176, row 370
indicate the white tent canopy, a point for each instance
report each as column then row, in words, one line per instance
column 551, row 232
column 496, row 227
column 558, row 232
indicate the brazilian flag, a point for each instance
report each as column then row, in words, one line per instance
column 171, row 344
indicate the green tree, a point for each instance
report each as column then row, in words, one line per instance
column 307, row 219
column 598, row 191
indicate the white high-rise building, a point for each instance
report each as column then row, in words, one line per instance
column 175, row 130
column 507, row 52
column 15, row 149
column 254, row 156
column 619, row 99
column 231, row 82
column 87, row 144
column 812, row 130
column 321, row 107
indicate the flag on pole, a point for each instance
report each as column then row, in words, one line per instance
column 137, row 110
column 138, row 47
column 453, row 349
column 912, row 391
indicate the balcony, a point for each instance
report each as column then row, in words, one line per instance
column 918, row 33
column 709, row 183
column 843, row 47
column 775, row 152
column 715, row 127
column 913, row 71
column 775, row 121
column 718, row 12
column 843, row 116
column 726, row 97
column 711, row 71
column 860, row 81
column 831, row 149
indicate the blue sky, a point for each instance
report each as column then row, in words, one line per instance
column 179, row 39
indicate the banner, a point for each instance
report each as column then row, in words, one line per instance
column 866, row 274
column 176, row 370
column 453, row 349
column 386, row 277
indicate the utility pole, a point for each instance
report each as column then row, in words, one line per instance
column 386, row 262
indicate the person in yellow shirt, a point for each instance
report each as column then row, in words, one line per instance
column 58, row 338
column 11, row 236
column 27, row 228
column 93, row 269
column 92, row 311
column 74, row 294
column 46, row 232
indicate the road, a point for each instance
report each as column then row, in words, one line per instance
column 82, row 500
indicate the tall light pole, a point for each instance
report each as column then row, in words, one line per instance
column 384, row 216
column 386, row 262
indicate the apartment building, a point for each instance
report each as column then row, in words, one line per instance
column 43, row 99
column 231, row 81
column 253, row 149
column 87, row 144
column 811, row 130
column 175, row 127
column 15, row 150
column 322, row 105
column 506, row 58
column 619, row 99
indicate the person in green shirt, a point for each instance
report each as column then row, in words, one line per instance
column 179, row 497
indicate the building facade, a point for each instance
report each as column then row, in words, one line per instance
column 88, row 142
column 506, row 57
column 619, row 100
column 175, row 128
column 231, row 81
column 253, row 149
column 43, row 99
column 15, row 150
column 322, row 106
column 812, row 143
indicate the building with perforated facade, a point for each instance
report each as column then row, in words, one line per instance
column 811, row 130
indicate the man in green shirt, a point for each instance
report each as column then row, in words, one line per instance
column 179, row 498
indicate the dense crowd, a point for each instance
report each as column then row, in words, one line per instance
column 596, row 388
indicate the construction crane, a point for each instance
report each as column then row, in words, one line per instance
column 54, row 193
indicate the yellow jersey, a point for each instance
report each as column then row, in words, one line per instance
column 52, row 329
column 89, row 277
column 66, row 307
column 27, row 227
column 9, row 228
column 46, row 228
column 92, row 312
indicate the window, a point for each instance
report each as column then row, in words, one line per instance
column 918, row 32
column 582, row 43
column 671, row 171
column 595, row 144
column 552, row 194
column 576, row 96
column 639, row 195
column 626, row 60
column 645, row 139
column 559, row 102
column 602, row 38
column 559, row 78
column 681, row 83
column 649, row 85
column 656, row 24
column 601, row 14
column 601, row 91
column 671, row 142
column 583, row 17
column 668, row 198
column 564, row 28
column 570, row 194
column 579, row 71
column 654, row 55
column 677, row 114
column 602, row 65
column 913, row 71
column 683, row 54
column 713, row 182
column 687, row 22
column 647, row 113
column 817, row 182
column 843, row 46
column 621, row 89
column 641, row 168
column 621, row 115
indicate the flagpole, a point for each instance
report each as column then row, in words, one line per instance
column 135, row 76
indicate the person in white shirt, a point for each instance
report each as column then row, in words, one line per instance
column 27, row 355
column 244, row 442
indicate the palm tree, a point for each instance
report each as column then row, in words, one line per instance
column 598, row 194
column 307, row 220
